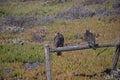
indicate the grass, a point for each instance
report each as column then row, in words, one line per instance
column 31, row 8
column 34, row 8
column 74, row 65
column 99, row 6
column 21, row 53
column 72, row 28
column 16, row 71
column 12, row 58
column 81, row 62
column 84, row 62
column 71, row 65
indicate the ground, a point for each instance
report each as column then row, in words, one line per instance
column 27, row 61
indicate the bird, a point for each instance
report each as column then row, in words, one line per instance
column 90, row 39
column 59, row 42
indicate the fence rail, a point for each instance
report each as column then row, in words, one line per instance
column 82, row 47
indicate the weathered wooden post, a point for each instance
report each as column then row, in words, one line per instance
column 116, row 57
column 47, row 56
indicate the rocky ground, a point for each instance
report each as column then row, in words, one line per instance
column 111, row 75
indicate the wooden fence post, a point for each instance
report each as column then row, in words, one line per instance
column 116, row 57
column 47, row 56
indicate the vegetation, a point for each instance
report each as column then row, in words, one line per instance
column 35, row 8
column 21, row 53
column 74, row 65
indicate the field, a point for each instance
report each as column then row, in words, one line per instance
column 27, row 61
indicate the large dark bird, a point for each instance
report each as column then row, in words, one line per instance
column 59, row 42
column 90, row 39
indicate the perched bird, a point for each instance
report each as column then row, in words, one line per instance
column 90, row 39
column 59, row 41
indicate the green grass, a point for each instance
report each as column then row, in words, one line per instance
column 12, row 58
column 31, row 8
column 21, row 53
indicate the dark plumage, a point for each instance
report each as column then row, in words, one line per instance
column 90, row 39
column 59, row 42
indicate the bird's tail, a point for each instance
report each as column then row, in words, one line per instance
column 59, row 53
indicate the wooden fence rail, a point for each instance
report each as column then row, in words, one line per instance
column 82, row 47
column 79, row 47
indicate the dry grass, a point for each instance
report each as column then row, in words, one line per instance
column 109, row 31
